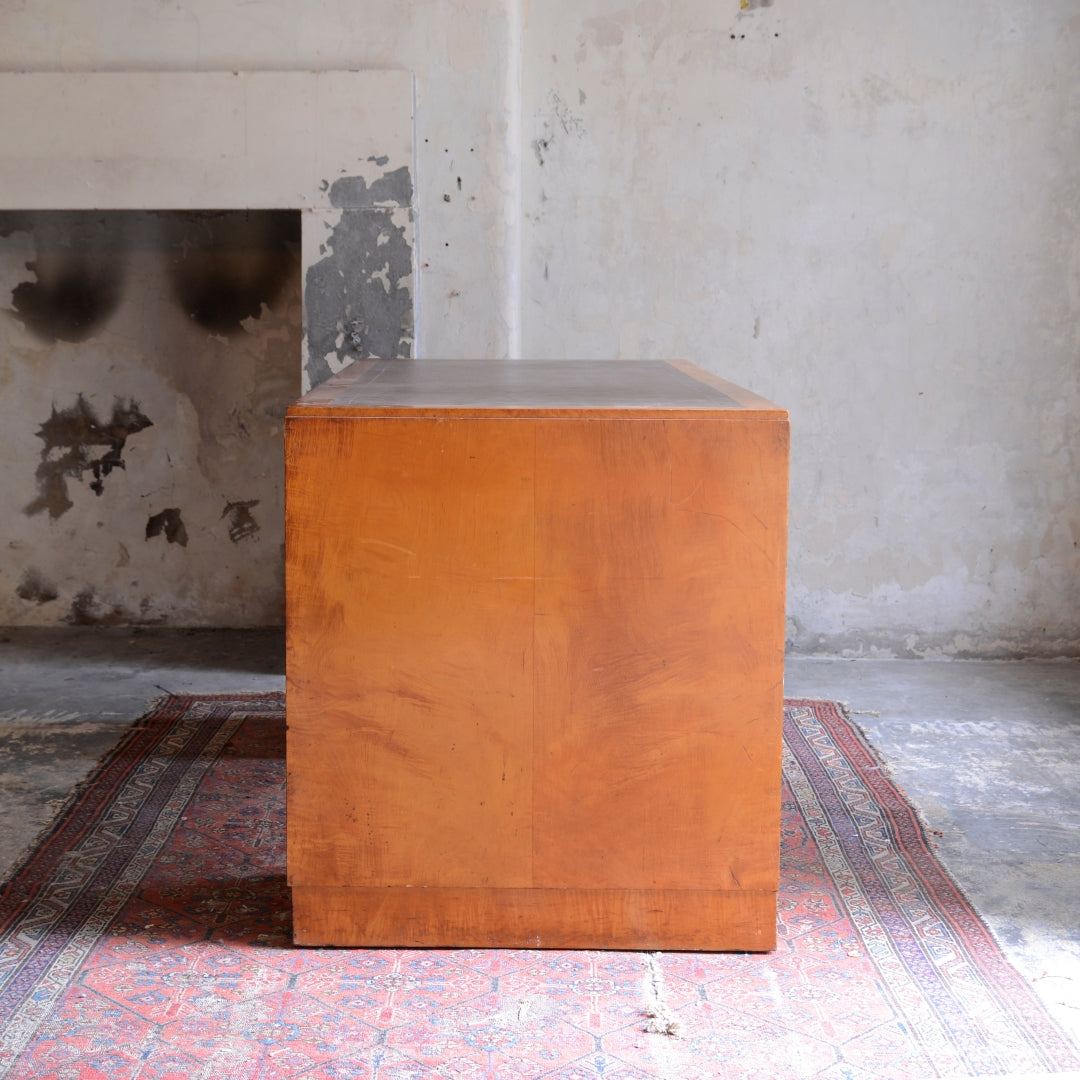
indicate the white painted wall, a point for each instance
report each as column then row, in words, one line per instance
column 866, row 212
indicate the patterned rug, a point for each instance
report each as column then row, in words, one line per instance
column 147, row 937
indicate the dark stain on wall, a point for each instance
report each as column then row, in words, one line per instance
column 242, row 522
column 223, row 265
column 68, row 302
column 226, row 265
column 35, row 588
column 169, row 523
column 87, row 610
column 79, row 271
column 72, row 438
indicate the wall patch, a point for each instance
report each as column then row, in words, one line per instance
column 391, row 189
column 358, row 297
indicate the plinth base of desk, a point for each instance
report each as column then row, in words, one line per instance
column 699, row 921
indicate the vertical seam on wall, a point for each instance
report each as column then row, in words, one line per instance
column 414, row 204
column 515, row 159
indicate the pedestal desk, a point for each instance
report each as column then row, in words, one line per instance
column 535, row 655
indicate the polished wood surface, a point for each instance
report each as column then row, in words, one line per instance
column 535, row 661
column 658, row 636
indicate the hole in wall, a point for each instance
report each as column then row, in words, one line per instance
column 146, row 362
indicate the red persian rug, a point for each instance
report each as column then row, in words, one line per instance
column 148, row 937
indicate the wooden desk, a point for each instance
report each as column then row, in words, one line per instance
column 535, row 654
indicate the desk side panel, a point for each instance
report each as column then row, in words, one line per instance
column 659, row 653
column 409, row 554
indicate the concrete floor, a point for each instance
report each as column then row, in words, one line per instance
column 989, row 752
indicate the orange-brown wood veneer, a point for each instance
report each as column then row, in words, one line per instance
column 535, row 654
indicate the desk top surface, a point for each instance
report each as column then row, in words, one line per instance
column 530, row 388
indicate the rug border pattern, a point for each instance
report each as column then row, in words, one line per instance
column 951, row 945
column 146, row 782
column 931, row 948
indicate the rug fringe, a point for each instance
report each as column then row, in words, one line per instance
column 1070, row 1075
column 662, row 1020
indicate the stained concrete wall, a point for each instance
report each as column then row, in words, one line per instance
column 866, row 212
column 115, row 316
column 146, row 362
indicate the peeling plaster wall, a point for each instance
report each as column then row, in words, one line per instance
column 358, row 276
column 268, row 140
column 464, row 64
column 146, row 361
column 242, row 140
column 866, row 212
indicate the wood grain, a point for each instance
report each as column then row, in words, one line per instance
column 535, row 674
column 409, row 599
column 659, row 648
column 702, row 921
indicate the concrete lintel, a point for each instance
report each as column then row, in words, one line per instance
column 205, row 140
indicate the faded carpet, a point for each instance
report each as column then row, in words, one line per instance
column 147, row 936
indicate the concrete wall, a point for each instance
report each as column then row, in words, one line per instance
column 866, row 212
column 149, row 356
column 146, row 363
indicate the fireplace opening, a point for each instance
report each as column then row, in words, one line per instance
column 146, row 360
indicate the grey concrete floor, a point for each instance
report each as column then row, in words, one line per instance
column 989, row 752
